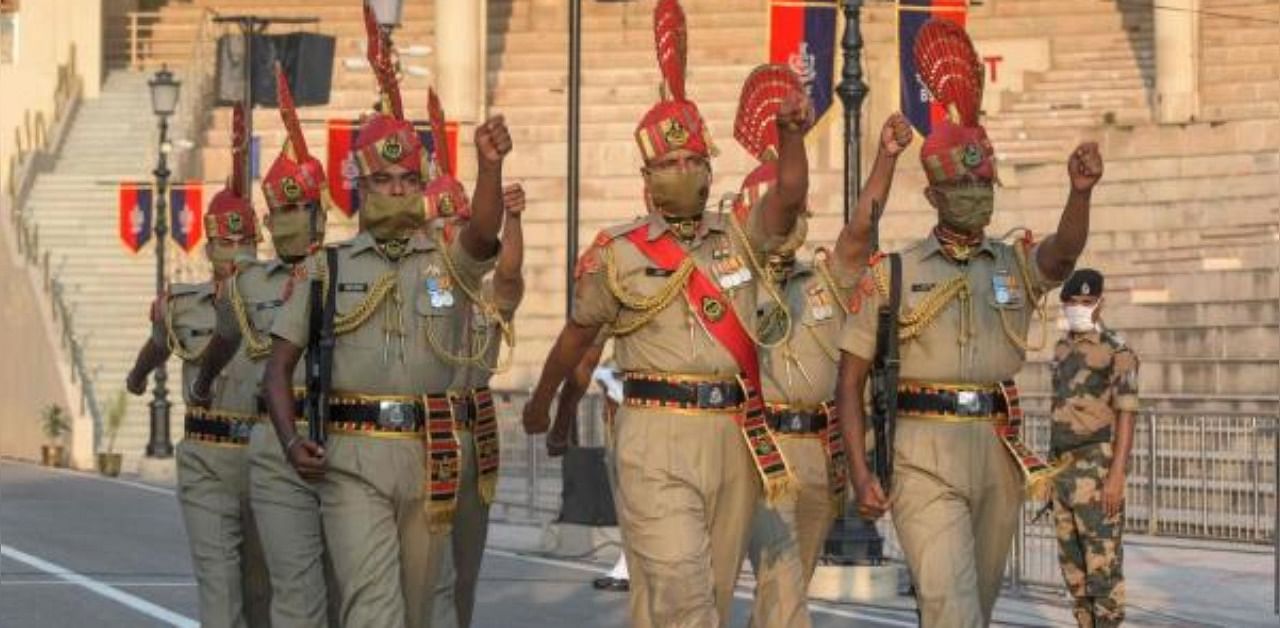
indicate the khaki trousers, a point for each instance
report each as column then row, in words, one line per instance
column 287, row 511
column 957, row 496
column 636, row 586
column 787, row 538
column 687, row 487
column 460, row 574
column 226, row 553
column 375, row 523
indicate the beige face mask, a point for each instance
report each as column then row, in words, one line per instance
column 388, row 217
column 291, row 231
column 968, row 208
column 679, row 192
column 225, row 255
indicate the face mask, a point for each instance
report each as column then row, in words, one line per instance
column 968, row 208
column 679, row 192
column 388, row 217
column 291, row 232
column 225, row 256
column 1080, row 317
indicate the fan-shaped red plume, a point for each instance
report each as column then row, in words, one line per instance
column 289, row 115
column 239, row 152
column 950, row 68
column 435, row 113
column 762, row 95
column 379, row 57
column 671, row 37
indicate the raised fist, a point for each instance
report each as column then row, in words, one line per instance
column 896, row 135
column 493, row 142
column 1084, row 167
column 796, row 114
column 513, row 199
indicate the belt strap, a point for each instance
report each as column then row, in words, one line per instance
column 941, row 403
column 217, row 427
column 651, row 391
column 798, row 421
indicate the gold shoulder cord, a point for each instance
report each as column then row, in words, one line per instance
column 915, row 321
column 820, row 263
column 648, row 306
column 758, row 269
column 175, row 343
column 1038, row 308
column 256, row 347
column 486, row 307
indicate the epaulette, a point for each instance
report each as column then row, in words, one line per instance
column 618, row 231
column 590, row 261
column 202, row 289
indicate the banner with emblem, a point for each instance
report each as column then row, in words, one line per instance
column 914, row 96
column 186, row 214
column 342, row 171
column 802, row 36
column 135, row 210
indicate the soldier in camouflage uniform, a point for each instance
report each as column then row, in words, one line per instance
column 213, row 483
column 1095, row 396
column 285, row 507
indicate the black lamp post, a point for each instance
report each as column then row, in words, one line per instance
column 164, row 100
column 852, row 540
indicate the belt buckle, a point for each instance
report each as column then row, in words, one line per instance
column 968, row 403
column 240, row 430
column 710, row 395
column 393, row 415
column 795, row 422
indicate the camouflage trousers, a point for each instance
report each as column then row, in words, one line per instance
column 1089, row 543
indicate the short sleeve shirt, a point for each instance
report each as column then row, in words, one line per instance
column 191, row 311
column 1095, row 377
column 261, row 288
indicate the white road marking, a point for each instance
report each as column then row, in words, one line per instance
column 814, row 607
column 116, row 595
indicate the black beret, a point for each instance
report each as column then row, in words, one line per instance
column 1084, row 282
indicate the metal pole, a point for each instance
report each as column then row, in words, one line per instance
column 1153, row 523
column 160, row 446
column 248, row 27
column 575, row 104
column 852, row 92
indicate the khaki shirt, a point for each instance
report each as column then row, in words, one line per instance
column 191, row 311
column 967, row 343
column 1095, row 377
column 402, row 348
column 802, row 371
column 674, row 341
column 262, row 288
column 485, row 339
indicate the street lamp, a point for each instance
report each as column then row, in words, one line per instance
column 853, row 540
column 164, row 100
column 387, row 12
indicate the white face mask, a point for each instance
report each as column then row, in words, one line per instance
column 1080, row 317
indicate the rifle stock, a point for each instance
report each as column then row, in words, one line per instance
column 884, row 375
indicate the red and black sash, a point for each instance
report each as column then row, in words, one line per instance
column 485, row 432
column 837, row 464
column 1036, row 473
column 721, row 321
column 443, row 456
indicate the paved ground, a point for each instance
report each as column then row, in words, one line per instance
column 77, row 550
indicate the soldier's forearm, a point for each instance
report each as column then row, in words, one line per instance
column 511, row 257
column 1122, row 443
column 566, row 353
column 1058, row 253
column 786, row 200
column 150, row 356
column 216, row 357
column 480, row 236
column 852, row 379
column 854, row 244
column 277, row 387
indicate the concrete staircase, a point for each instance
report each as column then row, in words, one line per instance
column 74, row 207
column 1240, row 66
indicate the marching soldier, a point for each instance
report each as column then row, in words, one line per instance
column 799, row 352
column 213, row 484
column 677, row 290
column 388, row 471
column 1095, row 397
column 285, row 507
column 966, row 304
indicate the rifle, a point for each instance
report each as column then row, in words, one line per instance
column 886, row 363
column 320, row 343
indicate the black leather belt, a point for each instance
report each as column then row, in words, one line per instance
column 786, row 420
column 299, row 409
column 379, row 416
column 697, row 395
column 214, row 427
column 946, row 402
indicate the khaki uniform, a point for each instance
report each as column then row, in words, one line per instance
column 956, row 490
column 213, row 485
column 687, row 482
column 1095, row 377
column 471, row 521
column 373, row 501
column 799, row 374
column 285, row 507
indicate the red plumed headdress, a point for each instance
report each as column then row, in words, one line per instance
column 675, row 122
column 385, row 138
column 295, row 176
column 762, row 95
column 957, row 149
column 230, row 213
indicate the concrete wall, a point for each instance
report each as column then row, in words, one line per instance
column 50, row 34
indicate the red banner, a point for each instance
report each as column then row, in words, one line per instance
column 186, row 214
column 135, row 211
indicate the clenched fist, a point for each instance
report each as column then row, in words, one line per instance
column 796, row 114
column 493, row 142
column 896, row 135
column 1085, row 167
column 513, row 199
